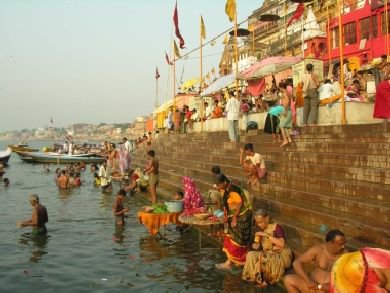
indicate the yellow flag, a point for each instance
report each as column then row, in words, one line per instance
column 230, row 9
column 202, row 28
column 225, row 39
column 177, row 52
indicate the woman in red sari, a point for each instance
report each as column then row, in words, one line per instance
column 238, row 221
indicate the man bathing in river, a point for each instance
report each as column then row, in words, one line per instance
column 117, row 209
column 63, row 181
column 323, row 256
column 39, row 217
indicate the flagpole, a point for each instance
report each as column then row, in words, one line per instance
column 156, row 103
column 174, row 85
column 236, row 49
column 201, row 74
column 341, row 45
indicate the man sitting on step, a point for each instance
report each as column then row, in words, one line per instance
column 323, row 256
column 253, row 164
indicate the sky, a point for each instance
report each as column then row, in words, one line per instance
column 94, row 61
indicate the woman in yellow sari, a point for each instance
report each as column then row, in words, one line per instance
column 271, row 257
column 238, row 222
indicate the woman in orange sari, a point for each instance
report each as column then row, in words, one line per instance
column 238, row 222
column 217, row 113
column 366, row 270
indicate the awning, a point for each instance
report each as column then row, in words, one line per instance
column 163, row 106
column 268, row 66
column 219, row 84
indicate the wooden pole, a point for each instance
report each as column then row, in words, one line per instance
column 236, row 50
column 285, row 28
column 156, row 102
column 341, row 48
column 201, row 75
column 174, row 86
column 328, row 38
column 387, row 29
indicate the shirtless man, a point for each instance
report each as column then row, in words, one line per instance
column 117, row 209
column 323, row 256
column 39, row 217
column 152, row 171
column 63, row 181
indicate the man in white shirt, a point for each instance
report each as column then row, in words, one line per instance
column 253, row 164
column 128, row 145
column 70, row 148
column 233, row 110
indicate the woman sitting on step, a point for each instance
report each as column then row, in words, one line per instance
column 271, row 257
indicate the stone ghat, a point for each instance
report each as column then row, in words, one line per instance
column 337, row 176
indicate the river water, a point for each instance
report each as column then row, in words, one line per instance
column 84, row 251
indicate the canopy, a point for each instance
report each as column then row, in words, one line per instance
column 189, row 83
column 219, row 84
column 163, row 107
column 267, row 66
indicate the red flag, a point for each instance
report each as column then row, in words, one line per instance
column 297, row 14
column 157, row 74
column 167, row 58
column 177, row 31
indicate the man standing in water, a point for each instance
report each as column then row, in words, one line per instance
column 152, row 171
column 117, row 209
column 63, row 180
column 39, row 217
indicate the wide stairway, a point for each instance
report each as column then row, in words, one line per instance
column 329, row 177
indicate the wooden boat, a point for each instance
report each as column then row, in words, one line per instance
column 22, row 147
column 56, row 158
column 5, row 155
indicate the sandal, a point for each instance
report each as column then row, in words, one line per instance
column 284, row 143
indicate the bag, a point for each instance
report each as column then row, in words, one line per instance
column 251, row 125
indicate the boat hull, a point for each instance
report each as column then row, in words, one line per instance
column 5, row 155
column 52, row 158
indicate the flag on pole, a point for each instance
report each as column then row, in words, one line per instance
column 177, row 52
column 202, row 28
column 297, row 14
column 167, row 58
column 177, row 31
column 230, row 9
column 225, row 39
column 157, row 74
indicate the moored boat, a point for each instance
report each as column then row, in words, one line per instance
column 22, row 147
column 56, row 158
column 5, row 155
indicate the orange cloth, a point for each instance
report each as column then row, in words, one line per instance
column 299, row 94
column 217, row 113
column 155, row 221
column 234, row 198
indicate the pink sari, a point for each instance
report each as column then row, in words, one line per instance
column 192, row 197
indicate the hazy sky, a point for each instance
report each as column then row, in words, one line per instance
column 94, row 60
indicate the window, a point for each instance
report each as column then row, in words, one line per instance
column 383, row 22
column 374, row 26
column 334, row 38
column 350, row 33
column 364, row 28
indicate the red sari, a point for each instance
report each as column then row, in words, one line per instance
column 382, row 100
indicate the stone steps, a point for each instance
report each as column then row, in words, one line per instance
column 353, row 224
column 337, row 176
column 360, row 190
column 302, row 231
